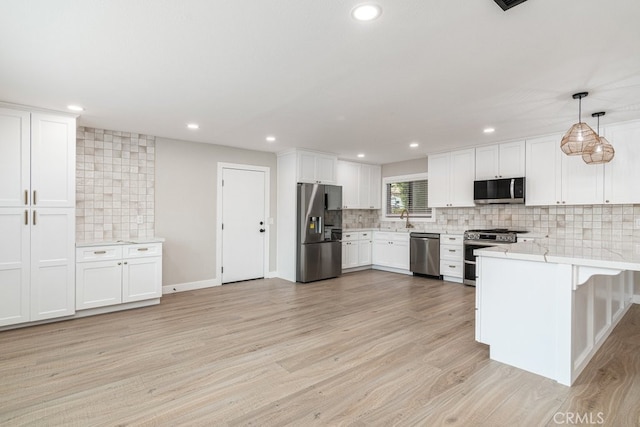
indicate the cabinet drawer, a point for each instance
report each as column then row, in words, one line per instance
column 364, row 235
column 98, row 253
column 451, row 268
column 451, row 252
column 143, row 250
column 350, row 236
column 451, row 239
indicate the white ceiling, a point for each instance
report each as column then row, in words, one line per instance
column 432, row 71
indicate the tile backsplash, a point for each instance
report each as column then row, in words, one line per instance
column 115, row 185
column 360, row 218
column 606, row 226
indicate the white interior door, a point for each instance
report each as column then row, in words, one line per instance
column 243, row 224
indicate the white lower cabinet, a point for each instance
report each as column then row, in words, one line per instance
column 356, row 249
column 391, row 249
column 452, row 257
column 115, row 274
column 36, row 264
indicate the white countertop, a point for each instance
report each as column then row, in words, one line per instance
column 575, row 252
column 120, row 242
column 402, row 230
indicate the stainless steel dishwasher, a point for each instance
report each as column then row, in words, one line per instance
column 424, row 250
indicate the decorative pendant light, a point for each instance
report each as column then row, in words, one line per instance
column 600, row 151
column 580, row 135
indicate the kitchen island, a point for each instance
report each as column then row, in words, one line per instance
column 548, row 308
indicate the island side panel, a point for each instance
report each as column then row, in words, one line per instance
column 525, row 311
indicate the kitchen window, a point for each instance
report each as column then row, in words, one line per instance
column 409, row 192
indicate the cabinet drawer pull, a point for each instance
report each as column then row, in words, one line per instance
column 452, row 238
column 142, row 249
column 99, row 252
column 452, row 266
column 452, row 250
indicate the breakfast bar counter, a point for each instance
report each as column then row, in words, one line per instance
column 547, row 308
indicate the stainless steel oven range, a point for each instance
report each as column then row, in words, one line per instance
column 478, row 239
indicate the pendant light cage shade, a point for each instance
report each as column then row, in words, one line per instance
column 580, row 135
column 598, row 152
column 577, row 139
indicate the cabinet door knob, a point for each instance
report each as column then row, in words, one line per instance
column 557, row 203
column 119, row 263
column 606, row 201
column 125, row 263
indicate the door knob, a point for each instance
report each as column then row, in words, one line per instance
column 261, row 222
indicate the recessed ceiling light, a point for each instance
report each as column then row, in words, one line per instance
column 489, row 130
column 366, row 12
column 75, row 108
column 270, row 138
column 414, row 145
column 193, row 126
column 360, row 155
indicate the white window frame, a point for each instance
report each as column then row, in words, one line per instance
column 404, row 178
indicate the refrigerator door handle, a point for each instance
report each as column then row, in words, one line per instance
column 320, row 225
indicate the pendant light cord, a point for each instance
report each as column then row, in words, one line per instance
column 580, row 110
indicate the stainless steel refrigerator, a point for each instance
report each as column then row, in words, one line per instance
column 319, row 254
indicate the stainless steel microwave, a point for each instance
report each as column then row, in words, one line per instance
column 495, row 191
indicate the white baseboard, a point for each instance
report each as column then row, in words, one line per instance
column 190, row 286
column 636, row 299
column 271, row 275
column 392, row 269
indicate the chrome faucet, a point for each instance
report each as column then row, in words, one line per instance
column 404, row 211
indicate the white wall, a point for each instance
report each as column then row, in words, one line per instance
column 185, row 206
column 408, row 167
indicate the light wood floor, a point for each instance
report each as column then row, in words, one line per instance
column 369, row 348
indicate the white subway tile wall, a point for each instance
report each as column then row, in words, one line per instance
column 115, row 185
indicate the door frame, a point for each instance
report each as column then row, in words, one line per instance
column 267, row 210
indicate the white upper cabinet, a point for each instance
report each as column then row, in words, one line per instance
column 375, row 186
column 361, row 185
column 15, row 184
column 553, row 178
column 316, row 168
column 451, row 177
column 348, row 178
column 53, row 161
column 501, row 161
column 622, row 174
column 37, row 159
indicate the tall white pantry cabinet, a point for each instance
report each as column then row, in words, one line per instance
column 37, row 216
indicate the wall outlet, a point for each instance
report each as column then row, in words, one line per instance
column 140, row 219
